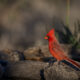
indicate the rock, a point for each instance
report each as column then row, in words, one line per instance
column 61, row 72
column 4, row 56
column 25, row 70
column 4, row 63
column 45, row 51
column 36, row 70
column 33, row 54
column 1, row 71
column 16, row 56
column 11, row 55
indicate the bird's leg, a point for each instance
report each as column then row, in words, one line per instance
column 58, row 62
column 52, row 61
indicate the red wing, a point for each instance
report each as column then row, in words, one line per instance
column 57, row 47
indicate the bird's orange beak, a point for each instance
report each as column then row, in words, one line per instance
column 46, row 37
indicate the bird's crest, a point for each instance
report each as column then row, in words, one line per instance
column 51, row 32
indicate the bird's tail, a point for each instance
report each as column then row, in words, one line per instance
column 73, row 62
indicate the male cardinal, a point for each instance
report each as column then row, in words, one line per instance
column 56, row 50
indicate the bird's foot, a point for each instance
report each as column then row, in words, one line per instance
column 52, row 61
column 58, row 62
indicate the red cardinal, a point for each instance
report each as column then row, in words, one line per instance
column 56, row 50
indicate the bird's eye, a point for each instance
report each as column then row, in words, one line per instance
column 48, row 37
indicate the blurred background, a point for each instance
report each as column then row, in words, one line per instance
column 24, row 23
column 23, row 49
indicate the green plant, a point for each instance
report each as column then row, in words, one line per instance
column 77, row 30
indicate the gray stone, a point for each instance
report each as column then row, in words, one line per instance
column 11, row 55
column 36, row 70
column 61, row 72
column 25, row 69
column 1, row 71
